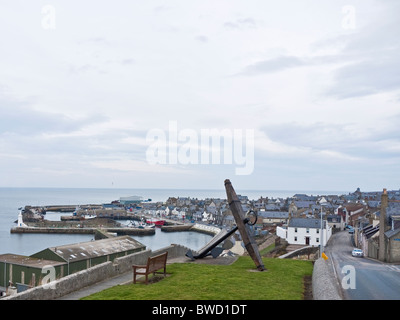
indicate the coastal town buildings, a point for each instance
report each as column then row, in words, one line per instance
column 374, row 217
column 377, row 226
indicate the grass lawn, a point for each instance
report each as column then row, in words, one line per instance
column 189, row 281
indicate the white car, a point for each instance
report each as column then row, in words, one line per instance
column 357, row 252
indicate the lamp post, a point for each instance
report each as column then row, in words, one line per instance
column 322, row 236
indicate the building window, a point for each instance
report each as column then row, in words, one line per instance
column 295, row 239
column 317, row 240
column 295, row 229
column 308, row 230
column 317, row 230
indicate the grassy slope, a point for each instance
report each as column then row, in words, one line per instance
column 189, row 281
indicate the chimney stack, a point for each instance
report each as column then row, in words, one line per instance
column 383, row 225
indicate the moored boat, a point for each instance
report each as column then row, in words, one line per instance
column 156, row 222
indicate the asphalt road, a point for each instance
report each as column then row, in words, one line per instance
column 362, row 278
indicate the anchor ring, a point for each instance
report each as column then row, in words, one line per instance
column 254, row 217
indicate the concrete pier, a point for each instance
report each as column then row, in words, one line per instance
column 114, row 229
column 72, row 230
column 65, row 208
column 177, row 227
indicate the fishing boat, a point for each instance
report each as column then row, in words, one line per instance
column 156, row 222
column 140, row 225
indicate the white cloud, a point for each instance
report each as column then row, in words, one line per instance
column 322, row 99
column 128, row 165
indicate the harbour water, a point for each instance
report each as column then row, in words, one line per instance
column 26, row 244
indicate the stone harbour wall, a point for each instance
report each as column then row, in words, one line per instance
column 212, row 230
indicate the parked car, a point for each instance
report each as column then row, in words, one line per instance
column 357, row 252
column 351, row 230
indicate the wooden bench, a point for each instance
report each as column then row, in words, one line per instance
column 153, row 265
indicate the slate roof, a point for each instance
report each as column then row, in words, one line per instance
column 303, row 204
column 305, row 223
column 273, row 214
column 92, row 249
column 392, row 233
column 28, row 261
column 333, row 218
column 369, row 230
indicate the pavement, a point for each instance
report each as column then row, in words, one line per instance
column 124, row 278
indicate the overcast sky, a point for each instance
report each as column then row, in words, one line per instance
column 88, row 89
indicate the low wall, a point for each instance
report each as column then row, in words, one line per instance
column 79, row 280
column 301, row 251
column 324, row 283
column 124, row 264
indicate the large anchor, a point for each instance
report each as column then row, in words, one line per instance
column 212, row 247
column 243, row 223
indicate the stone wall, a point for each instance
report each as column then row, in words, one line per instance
column 393, row 249
column 301, row 251
column 324, row 283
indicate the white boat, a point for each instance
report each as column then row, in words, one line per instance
column 140, row 225
column 89, row 216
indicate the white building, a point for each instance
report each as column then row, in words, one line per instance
column 305, row 231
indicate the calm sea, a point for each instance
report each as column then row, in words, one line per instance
column 26, row 244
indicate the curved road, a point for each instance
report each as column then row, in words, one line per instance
column 362, row 278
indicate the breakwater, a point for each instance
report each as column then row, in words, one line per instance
column 203, row 228
column 77, row 230
column 65, row 208
column 89, row 226
column 118, row 230
column 177, row 227
column 72, row 229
